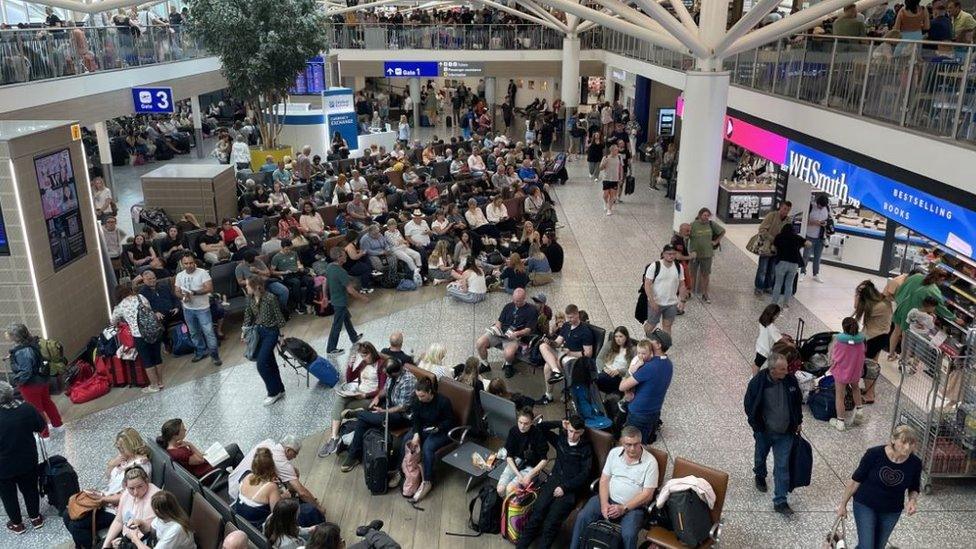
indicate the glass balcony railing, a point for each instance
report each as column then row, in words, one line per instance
column 30, row 55
column 377, row 36
column 928, row 87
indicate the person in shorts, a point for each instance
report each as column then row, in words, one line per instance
column 665, row 289
column 517, row 319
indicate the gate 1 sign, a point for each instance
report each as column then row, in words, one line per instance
column 410, row 69
column 153, row 100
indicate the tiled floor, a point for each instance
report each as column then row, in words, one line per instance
column 703, row 417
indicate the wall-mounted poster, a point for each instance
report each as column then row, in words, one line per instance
column 59, row 202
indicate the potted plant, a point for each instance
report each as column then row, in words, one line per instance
column 262, row 45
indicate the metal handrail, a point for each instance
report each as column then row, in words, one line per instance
column 34, row 54
column 924, row 86
column 445, row 37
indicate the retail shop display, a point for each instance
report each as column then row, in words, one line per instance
column 937, row 396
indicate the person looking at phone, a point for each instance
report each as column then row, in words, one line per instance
column 517, row 319
column 432, row 417
column 132, row 452
column 135, row 504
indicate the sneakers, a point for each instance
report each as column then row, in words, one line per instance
column 198, row 358
column 150, row 389
column 16, row 528
column 783, row 509
column 858, row 417
column 838, row 424
column 329, row 447
column 705, row 299
column 484, row 367
column 546, row 399
column 761, row 485
column 609, row 212
column 272, row 399
column 377, row 525
column 509, row 370
column 37, row 522
column 349, row 412
column 800, row 278
column 359, row 337
column 349, row 463
column 335, row 352
column 816, row 278
column 395, row 479
column 424, row 489
column 377, row 273
column 216, row 361
column 556, row 377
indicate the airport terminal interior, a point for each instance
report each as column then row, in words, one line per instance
column 542, row 273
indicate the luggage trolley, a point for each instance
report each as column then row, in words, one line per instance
column 937, row 396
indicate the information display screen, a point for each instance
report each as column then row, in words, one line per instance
column 59, row 202
column 311, row 81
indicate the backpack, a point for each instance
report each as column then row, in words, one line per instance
column 52, row 357
column 149, row 326
column 300, row 350
column 515, row 513
column 486, row 521
column 640, row 309
column 691, row 520
column 821, row 403
column 602, row 534
column 406, row 285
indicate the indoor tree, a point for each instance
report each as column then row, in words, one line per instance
column 262, row 45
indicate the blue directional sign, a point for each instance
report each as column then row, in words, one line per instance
column 153, row 100
column 411, row 69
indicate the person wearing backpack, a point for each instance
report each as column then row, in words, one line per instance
column 135, row 310
column 29, row 375
column 665, row 290
column 558, row 496
column 772, row 404
column 627, row 485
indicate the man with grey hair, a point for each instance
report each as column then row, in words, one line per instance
column 627, row 485
column 283, row 453
column 19, row 422
column 773, row 408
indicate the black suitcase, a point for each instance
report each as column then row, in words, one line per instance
column 448, row 121
column 376, row 461
column 163, row 152
column 691, row 520
column 629, row 185
column 602, row 534
column 56, row 479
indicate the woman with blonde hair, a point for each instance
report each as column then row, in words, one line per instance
column 537, row 266
column 259, row 491
column 403, row 130
column 879, row 485
column 513, row 276
column 440, row 263
column 433, row 361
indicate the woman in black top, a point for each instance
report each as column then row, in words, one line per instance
column 432, row 418
column 878, row 486
column 594, row 154
column 553, row 251
column 339, row 145
column 172, row 247
column 513, row 276
column 263, row 316
column 789, row 247
column 18, row 459
column 141, row 253
column 526, row 449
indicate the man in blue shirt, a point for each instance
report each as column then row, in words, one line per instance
column 528, row 175
column 161, row 299
column 575, row 340
column 269, row 164
column 516, row 320
column 649, row 381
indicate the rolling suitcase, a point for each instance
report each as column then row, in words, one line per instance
column 376, row 457
column 56, row 479
column 602, row 534
column 629, row 185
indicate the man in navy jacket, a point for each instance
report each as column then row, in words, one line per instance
column 773, row 408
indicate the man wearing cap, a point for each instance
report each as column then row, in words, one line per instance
column 574, row 340
column 649, row 380
column 283, row 453
column 417, row 232
column 665, row 290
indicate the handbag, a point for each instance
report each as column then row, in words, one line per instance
column 835, row 538
column 81, row 504
column 250, row 343
column 758, row 242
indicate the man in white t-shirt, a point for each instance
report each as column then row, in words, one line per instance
column 665, row 289
column 193, row 288
column 282, row 453
column 627, row 485
column 358, row 183
column 816, row 234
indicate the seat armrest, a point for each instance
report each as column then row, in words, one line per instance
column 459, row 433
column 716, row 532
column 594, row 484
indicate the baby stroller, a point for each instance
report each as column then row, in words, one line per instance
column 816, row 344
column 555, row 171
column 582, row 395
column 303, row 359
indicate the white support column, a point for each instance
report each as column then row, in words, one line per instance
column 197, row 115
column 569, row 86
column 104, row 152
column 415, row 97
column 700, row 150
column 490, row 102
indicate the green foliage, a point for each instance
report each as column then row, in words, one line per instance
column 262, row 45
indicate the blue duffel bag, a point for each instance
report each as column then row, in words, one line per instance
column 821, row 403
column 324, row 371
column 179, row 337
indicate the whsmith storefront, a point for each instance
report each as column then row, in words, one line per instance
column 887, row 220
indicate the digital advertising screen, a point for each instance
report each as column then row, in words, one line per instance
column 59, row 202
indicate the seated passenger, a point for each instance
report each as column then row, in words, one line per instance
column 614, row 360
column 432, row 417
column 282, row 529
column 526, row 449
column 170, row 527
column 516, row 320
column 470, row 285
column 132, row 452
column 433, row 361
column 367, row 367
column 173, row 439
column 575, row 340
column 627, row 485
column 259, row 492
column 135, row 504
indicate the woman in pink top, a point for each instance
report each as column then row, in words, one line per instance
column 135, row 505
column 847, row 352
